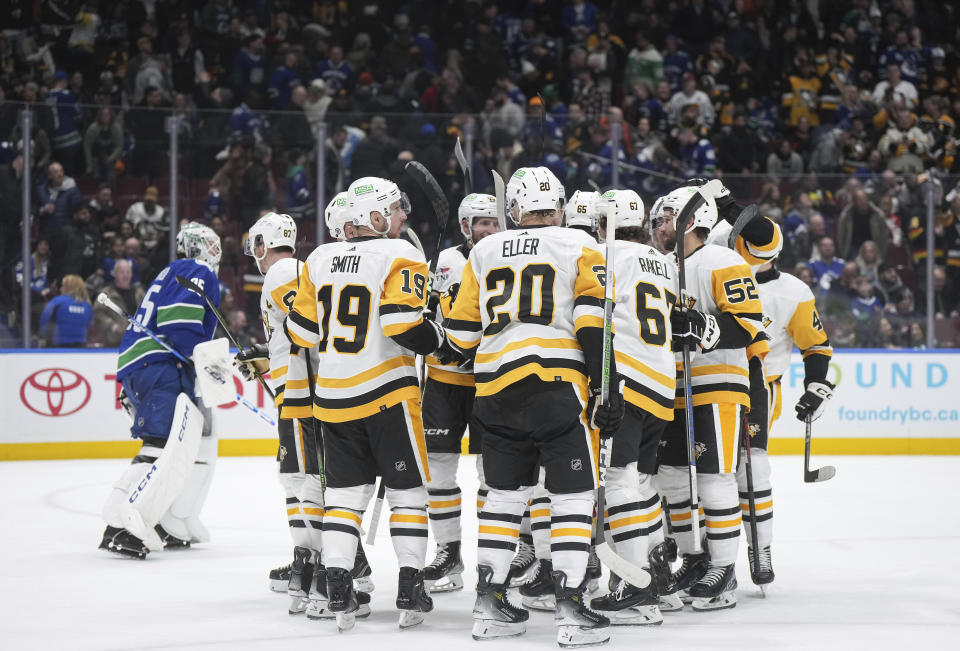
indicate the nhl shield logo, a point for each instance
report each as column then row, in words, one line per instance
column 400, row 466
column 576, row 464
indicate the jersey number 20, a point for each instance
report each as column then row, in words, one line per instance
column 535, row 280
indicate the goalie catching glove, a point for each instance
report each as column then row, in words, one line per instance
column 253, row 361
column 813, row 401
column 694, row 327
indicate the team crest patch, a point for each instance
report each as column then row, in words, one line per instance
column 282, row 453
column 754, row 429
column 691, row 301
column 699, row 449
column 576, row 464
column 767, row 321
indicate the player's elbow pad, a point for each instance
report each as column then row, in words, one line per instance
column 732, row 334
column 423, row 338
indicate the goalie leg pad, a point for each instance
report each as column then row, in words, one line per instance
column 152, row 494
column 182, row 519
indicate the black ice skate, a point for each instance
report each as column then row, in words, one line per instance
column 539, row 593
column 493, row 615
column 662, row 579
column 577, row 625
column 280, row 579
column 693, row 567
column 318, row 604
column 301, row 576
column 716, row 589
column 412, row 598
column 761, row 575
column 445, row 573
column 629, row 605
column 169, row 540
column 593, row 570
column 341, row 597
column 524, row 563
column 361, row 571
column 120, row 541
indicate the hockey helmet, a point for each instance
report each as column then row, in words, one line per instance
column 199, row 242
column 273, row 230
column 475, row 206
column 670, row 206
column 371, row 194
column 581, row 210
column 531, row 189
column 625, row 206
column 336, row 214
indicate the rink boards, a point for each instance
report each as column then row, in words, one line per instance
column 62, row 404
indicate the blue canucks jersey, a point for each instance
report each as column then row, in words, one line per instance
column 174, row 313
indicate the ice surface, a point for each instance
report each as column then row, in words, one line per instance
column 867, row 560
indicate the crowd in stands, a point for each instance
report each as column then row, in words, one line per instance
column 837, row 118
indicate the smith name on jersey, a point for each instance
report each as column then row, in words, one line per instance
column 534, row 288
column 174, row 313
column 354, row 297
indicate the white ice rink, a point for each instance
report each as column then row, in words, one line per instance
column 865, row 561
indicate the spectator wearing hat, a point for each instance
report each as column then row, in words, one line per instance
column 318, row 101
column 56, row 198
column 690, row 94
column 148, row 218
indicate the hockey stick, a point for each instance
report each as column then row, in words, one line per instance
column 752, row 503
column 186, row 283
column 498, row 192
column 746, row 216
column 110, row 305
column 686, row 213
column 464, row 167
column 821, row 474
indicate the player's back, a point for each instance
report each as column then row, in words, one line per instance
column 172, row 311
column 535, row 287
column 355, row 295
column 280, row 285
column 646, row 286
column 791, row 318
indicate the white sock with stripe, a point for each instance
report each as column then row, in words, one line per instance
column 408, row 525
column 499, row 529
column 445, row 498
column 633, row 513
column 312, row 507
column 341, row 524
column 571, row 528
column 673, row 483
column 722, row 509
column 762, row 493
column 540, row 522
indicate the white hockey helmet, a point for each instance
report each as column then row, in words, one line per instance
column 371, row 194
column 336, row 214
column 194, row 240
column 581, row 210
column 475, row 206
column 531, row 189
column 705, row 216
column 625, row 206
column 273, row 230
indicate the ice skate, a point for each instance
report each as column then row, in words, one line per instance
column 120, row 541
column 361, row 571
column 301, row 576
column 693, row 567
column 716, row 589
column 280, row 578
column 577, row 625
column 493, row 614
column 412, row 598
column 629, row 605
column 593, row 570
column 317, row 599
column 539, row 593
column 445, row 573
column 523, row 567
column 761, row 575
column 341, row 597
column 170, row 541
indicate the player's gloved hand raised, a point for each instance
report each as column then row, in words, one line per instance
column 253, row 361
column 606, row 418
column 813, row 401
column 692, row 327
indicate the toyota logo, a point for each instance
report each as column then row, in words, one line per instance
column 55, row 392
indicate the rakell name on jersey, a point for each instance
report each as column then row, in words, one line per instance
column 345, row 264
column 521, row 247
column 654, row 267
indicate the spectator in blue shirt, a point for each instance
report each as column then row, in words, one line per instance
column 336, row 72
column 250, row 66
column 828, row 267
column 67, row 141
column 70, row 314
column 676, row 63
column 580, row 19
column 299, row 199
column 282, row 82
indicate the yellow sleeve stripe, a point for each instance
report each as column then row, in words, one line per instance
column 588, row 321
column 538, row 342
column 462, row 343
column 758, row 349
column 717, row 369
column 827, row 351
column 400, row 328
column 297, row 335
column 360, row 378
column 400, row 288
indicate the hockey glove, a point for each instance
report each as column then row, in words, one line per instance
column 127, row 405
column 606, row 417
column 253, row 361
column 448, row 353
column 813, row 401
column 692, row 327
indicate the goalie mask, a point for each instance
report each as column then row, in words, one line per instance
column 200, row 243
column 475, row 206
column 533, row 189
column 272, row 231
column 336, row 214
column 373, row 194
column 581, row 210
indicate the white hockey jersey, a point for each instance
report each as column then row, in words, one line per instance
column 646, row 284
column 354, row 296
column 524, row 295
column 446, row 282
column 791, row 317
column 720, row 281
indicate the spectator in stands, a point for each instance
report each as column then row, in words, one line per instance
column 56, row 199
column 318, row 101
column 905, row 143
column 869, row 261
column 905, row 320
column 861, row 221
column 117, row 252
column 249, row 66
column 299, row 199
column 946, row 296
column 147, row 124
column 695, row 155
column 67, row 143
column 103, row 212
column 68, row 315
column 690, row 94
column 335, row 71
column 237, row 321
column 644, row 63
column 257, row 190
column 109, row 326
column 740, row 150
column 827, row 266
column 103, row 146
column 786, row 165
column 375, row 152
column 36, row 276
column 889, row 284
column 292, row 128
column 283, row 81
column 148, row 218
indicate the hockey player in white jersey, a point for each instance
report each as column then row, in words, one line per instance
column 448, row 396
column 646, row 282
column 361, row 304
column 529, row 312
column 791, row 319
column 580, row 212
column 722, row 317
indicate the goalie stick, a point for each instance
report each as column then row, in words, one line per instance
column 820, row 474
column 196, row 289
column 746, row 216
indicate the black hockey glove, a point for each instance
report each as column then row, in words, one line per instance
column 606, row 418
column 813, row 401
column 448, row 354
column 692, row 327
column 253, row 361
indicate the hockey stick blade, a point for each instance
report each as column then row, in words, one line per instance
column 632, row 574
column 375, row 514
column 821, row 474
column 464, row 167
column 498, row 192
column 746, row 216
